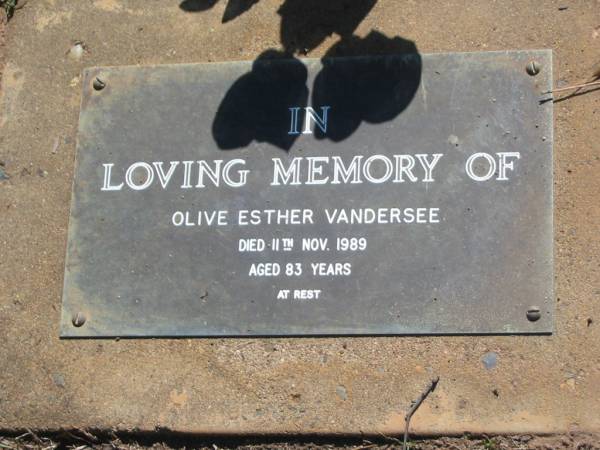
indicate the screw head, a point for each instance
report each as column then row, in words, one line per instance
column 534, row 314
column 533, row 68
column 98, row 84
column 78, row 319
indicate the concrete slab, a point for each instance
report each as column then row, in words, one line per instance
column 311, row 385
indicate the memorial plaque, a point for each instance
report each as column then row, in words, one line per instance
column 403, row 194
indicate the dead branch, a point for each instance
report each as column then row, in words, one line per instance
column 415, row 406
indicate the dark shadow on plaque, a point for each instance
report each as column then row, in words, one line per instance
column 256, row 105
column 371, row 89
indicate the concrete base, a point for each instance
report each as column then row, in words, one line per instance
column 317, row 385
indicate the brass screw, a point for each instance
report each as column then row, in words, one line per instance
column 533, row 68
column 533, row 314
column 98, row 84
column 78, row 319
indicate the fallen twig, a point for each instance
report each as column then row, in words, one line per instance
column 415, row 406
column 575, row 86
column 366, row 444
column 35, row 437
column 390, row 438
column 85, row 437
column 88, row 435
column 5, row 444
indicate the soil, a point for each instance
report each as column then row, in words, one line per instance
column 2, row 39
column 542, row 384
column 80, row 440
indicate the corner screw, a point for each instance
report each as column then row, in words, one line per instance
column 78, row 319
column 98, row 84
column 533, row 68
column 533, row 314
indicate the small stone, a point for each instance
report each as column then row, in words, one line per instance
column 490, row 360
column 42, row 173
column 59, row 380
column 55, row 146
column 3, row 174
column 341, row 391
column 76, row 51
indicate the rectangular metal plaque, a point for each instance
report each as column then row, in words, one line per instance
column 403, row 194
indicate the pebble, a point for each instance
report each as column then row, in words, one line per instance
column 490, row 360
column 341, row 391
column 76, row 52
column 55, row 146
column 3, row 175
column 59, row 380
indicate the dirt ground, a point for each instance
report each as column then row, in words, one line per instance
column 2, row 39
column 541, row 384
column 84, row 440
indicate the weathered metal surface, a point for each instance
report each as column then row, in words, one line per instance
column 482, row 268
